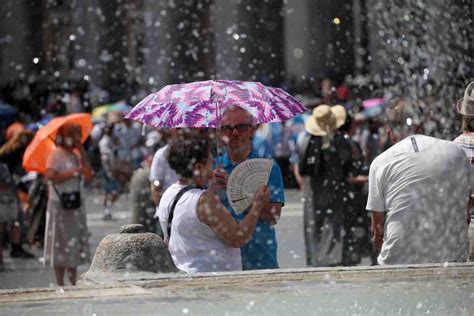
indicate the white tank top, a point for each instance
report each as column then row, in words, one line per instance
column 194, row 246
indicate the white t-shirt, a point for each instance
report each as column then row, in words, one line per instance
column 193, row 245
column 108, row 150
column 425, row 196
column 97, row 130
column 160, row 170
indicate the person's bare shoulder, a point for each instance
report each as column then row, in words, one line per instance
column 208, row 197
column 208, row 205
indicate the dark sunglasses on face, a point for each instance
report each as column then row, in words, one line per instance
column 239, row 127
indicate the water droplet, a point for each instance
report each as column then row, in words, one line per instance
column 298, row 53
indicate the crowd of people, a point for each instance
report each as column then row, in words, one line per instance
column 346, row 162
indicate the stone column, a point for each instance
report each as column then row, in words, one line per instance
column 319, row 39
column 297, row 39
column 178, row 42
column 112, row 26
column 249, row 40
column 16, row 59
column 359, row 16
column 85, row 41
column 225, row 17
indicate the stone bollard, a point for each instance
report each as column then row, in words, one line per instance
column 132, row 250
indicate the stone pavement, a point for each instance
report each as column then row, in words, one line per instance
column 28, row 273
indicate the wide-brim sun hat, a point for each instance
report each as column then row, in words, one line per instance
column 340, row 113
column 325, row 119
column 465, row 105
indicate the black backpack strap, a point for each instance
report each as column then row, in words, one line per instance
column 173, row 205
column 311, row 162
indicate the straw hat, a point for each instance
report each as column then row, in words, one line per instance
column 325, row 119
column 465, row 105
column 340, row 114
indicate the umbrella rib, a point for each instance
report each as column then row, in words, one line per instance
column 54, row 141
column 217, row 126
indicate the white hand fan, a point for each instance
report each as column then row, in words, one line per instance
column 245, row 181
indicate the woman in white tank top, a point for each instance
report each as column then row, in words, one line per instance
column 203, row 237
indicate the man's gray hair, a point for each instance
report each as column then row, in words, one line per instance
column 238, row 107
column 403, row 113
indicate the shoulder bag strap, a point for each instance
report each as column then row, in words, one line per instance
column 173, row 205
column 55, row 189
column 79, row 164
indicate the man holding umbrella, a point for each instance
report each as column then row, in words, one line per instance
column 237, row 131
column 199, row 105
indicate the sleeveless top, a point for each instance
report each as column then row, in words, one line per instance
column 193, row 245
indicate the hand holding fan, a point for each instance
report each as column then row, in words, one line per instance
column 245, row 181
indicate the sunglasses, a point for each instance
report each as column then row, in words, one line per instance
column 241, row 128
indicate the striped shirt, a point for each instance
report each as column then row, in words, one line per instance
column 466, row 141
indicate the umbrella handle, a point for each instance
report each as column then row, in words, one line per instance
column 217, row 148
column 217, row 136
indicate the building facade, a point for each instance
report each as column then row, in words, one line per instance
column 145, row 44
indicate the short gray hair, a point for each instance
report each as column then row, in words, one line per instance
column 238, row 107
column 404, row 113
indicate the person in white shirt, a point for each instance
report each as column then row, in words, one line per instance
column 418, row 194
column 112, row 188
column 201, row 235
column 161, row 174
column 465, row 107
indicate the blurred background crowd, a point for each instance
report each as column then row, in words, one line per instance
column 102, row 57
column 121, row 149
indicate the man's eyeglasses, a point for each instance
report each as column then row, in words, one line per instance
column 241, row 128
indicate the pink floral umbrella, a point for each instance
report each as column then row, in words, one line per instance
column 200, row 104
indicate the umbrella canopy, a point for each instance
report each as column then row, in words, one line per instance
column 373, row 107
column 43, row 143
column 200, row 104
column 100, row 111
